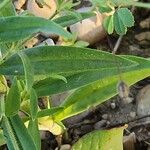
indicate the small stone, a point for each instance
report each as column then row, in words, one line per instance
column 145, row 23
column 143, row 36
column 132, row 114
column 64, row 147
column 47, row 11
column 113, row 105
column 30, row 43
column 143, row 101
column 100, row 124
column 108, row 122
column 105, row 116
column 48, row 42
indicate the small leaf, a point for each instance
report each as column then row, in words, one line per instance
column 12, row 104
column 33, row 104
column 101, row 140
column 123, row 18
column 109, row 24
column 35, row 133
column 126, row 16
column 28, row 70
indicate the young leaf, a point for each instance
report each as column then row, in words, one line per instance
column 35, row 133
column 22, row 27
column 125, row 15
column 33, row 104
column 123, row 18
column 109, row 24
column 28, row 71
column 101, row 140
column 12, row 104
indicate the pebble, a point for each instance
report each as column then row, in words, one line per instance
column 105, row 116
column 48, row 41
column 143, row 101
column 47, row 11
column 113, row 105
column 132, row 114
column 145, row 23
column 89, row 30
column 30, row 43
column 143, row 36
column 100, row 124
column 64, row 147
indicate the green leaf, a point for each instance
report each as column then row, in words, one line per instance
column 70, row 19
column 101, row 140
column 126, row 17
column 102, row 89
column 7, row 8
column 35, row 133
column 22, row 27
column 28, row 71
column 33, row 104
column 109, row 24
column 49, row 112
column 62, row 60
column 123, row 18
column 12, row 104
column 17, row 136
column 2, row 106
column 2, row 138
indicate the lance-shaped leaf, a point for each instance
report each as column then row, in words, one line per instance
column 62, row 59
column 20, row 27
column 101, row 140
column 102, row 90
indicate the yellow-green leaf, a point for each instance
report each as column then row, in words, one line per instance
column 101, row 140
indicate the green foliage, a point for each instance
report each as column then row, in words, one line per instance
column 123, row 18
column 17, row 136
column 92, row 75
column 35, row 133
column 120, row 21
column 12, row 104
column 22, row 27
column 101, row 140
column 69, row 19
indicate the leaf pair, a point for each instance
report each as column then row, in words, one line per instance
column 119, row 21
